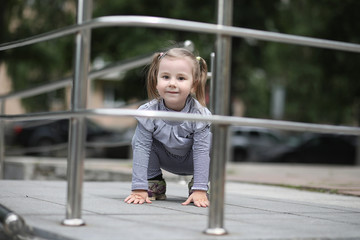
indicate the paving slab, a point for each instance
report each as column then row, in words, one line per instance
column 339, row 179
column 252, row 211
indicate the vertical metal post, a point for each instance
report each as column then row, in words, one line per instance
column 2, row 140
column 221, row 107
column 77, row 130
column 212, row 79
column 357, row 160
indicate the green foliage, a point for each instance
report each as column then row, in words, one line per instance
column 34, row 65
column 119, row 43
column 322, row 86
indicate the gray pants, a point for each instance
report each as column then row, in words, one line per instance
column 160, row 158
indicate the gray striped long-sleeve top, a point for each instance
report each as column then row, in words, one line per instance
column 178, row 138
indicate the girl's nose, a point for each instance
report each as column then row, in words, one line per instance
column 172, row 82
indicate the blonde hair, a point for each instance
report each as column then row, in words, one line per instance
column 199, row 72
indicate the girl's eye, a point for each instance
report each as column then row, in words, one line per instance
column 181, row 78
column 165, row 77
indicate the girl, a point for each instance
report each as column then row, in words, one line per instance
column 175, row 83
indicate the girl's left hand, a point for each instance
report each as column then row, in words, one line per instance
column 199, row 198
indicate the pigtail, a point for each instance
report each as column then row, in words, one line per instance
column 152, row 76
column 199, row 86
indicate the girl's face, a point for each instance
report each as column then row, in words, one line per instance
column 175, row 81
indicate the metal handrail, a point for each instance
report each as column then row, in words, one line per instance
column 178, row 116
column 62, row 146
column 39, row 89
column 183, row 25
column 66, row 82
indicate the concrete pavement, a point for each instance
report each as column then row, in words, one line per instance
column 252, row 211
column 327, row 178
column 257, row 205
column 338, row 179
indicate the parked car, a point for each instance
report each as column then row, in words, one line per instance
column 50, row 138
column 319, row 148
column 253, row 143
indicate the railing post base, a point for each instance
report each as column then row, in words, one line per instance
column 216, row 231
column 75, row 222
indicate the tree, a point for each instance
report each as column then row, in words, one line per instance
column 322, row 85
column 36, row 64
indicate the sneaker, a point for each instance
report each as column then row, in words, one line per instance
column 156, row 189
column 191, row 184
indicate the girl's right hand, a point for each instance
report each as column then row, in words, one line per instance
column 138, row 197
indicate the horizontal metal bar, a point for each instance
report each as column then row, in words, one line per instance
column 13, row 225
column 116, row 67
column 183, row 25
column 177, row 116
column 25, row 150
column 64, row 146
column 52, row 86
column 120, row 67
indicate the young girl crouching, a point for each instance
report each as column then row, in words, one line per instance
column 175, row 83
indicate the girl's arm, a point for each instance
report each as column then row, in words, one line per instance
column 142, row 142
column 201, row 154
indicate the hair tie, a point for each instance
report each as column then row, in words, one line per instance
column 198, row 58
column 161, row 55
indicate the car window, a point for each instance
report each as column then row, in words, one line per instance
column 92, row 127
column 313, row 142
column 64, row 125
column 238, row 133
column 254, row 134
column 271, row 137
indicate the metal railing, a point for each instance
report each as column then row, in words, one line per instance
column 121, row 66
column 221, row 87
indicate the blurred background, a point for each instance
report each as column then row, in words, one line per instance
column 269, row 80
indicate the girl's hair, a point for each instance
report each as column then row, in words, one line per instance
column 199, row 72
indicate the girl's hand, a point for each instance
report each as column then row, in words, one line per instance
column 199, row 198
column 138, row 197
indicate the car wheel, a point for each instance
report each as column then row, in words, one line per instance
column 240, row 155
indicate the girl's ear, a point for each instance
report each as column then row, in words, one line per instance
column 193, row 90
column 193, row 87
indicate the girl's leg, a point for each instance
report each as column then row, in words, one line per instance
column 181, row 165
column 156, row 183
column 154, row 164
